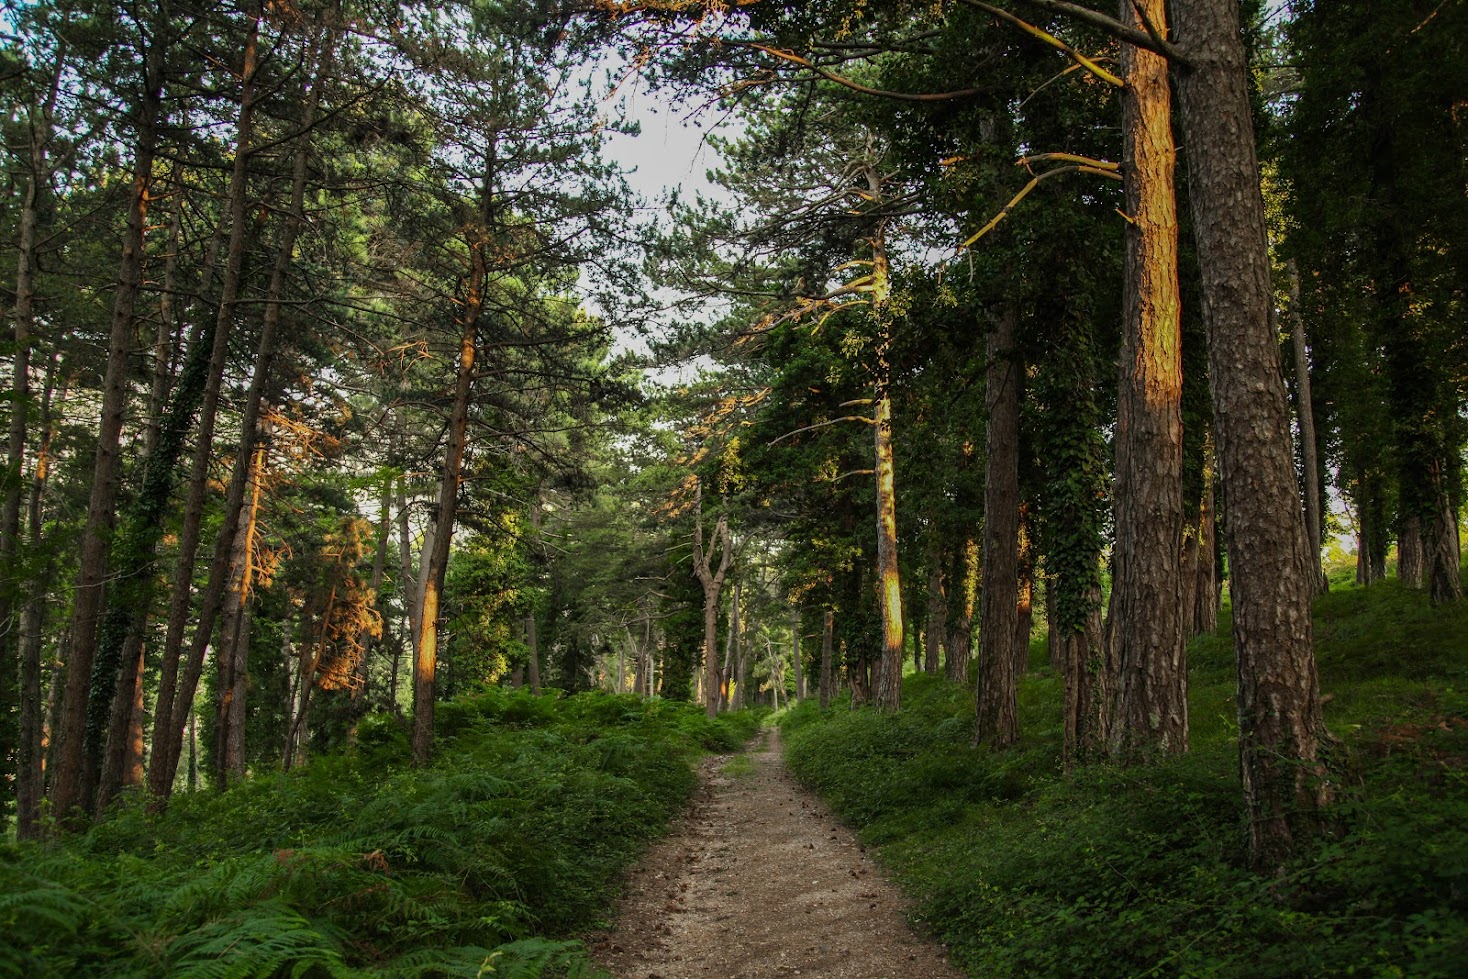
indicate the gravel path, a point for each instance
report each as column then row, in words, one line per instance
column 759, row 880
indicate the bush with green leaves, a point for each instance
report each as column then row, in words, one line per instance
column 485, row 863
column 1109, row 871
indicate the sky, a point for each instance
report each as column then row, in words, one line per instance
column 670, row 152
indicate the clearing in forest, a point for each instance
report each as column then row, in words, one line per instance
column 759, row 880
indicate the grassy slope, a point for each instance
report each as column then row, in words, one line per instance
column 361, row 865
column 1117, row 872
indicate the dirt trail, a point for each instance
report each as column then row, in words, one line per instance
column 758, row 880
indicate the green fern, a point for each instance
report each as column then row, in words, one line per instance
column 263, row 940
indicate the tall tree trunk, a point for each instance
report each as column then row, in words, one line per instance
column 964, row 599
column 1090, row 677
column 888, row 678
column 532, row 639
column 168, row 337
column 132, row 759
column 379, row 574
column 13, row 667
column 1206, row 586
column 777, row 674
column 425, row 664
column 300, row 729
column 1146, row 599
column 1280, row 724
column 181, row 702
column 124, row 625
column 796, row 654
column 409, row 590
column 1024, row 606
column 996, row 699
column 937, row 628
column 1411, row 560
column 234, row 639
column 712, row 582
column 30, row 749
column 532, row 642
column 175, row 700
column 1443, row 548
column 828, row 630
column 69, row 783
column 639, row 663
column 858, row 675
column 470, row 302
column 1305, row 415
column 731, row 645
column 888, row 693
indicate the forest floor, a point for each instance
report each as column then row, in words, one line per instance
column 758, row 880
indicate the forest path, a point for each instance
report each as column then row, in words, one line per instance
column 758, row 880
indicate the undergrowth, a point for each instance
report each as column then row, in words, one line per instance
column 1025, row 871
column 483, row 864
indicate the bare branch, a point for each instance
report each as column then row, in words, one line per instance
column 1109, row 171
column 825, row 424
column 1050, row 39
column 856, row 86
column 1112, row 26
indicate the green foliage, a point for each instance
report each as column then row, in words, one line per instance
column 360, row 865
column 1023, row 870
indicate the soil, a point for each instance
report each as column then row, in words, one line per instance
column 758, row 880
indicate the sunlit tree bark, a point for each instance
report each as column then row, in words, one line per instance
column 1146, row 599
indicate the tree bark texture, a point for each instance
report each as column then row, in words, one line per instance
column 996, row 698
column 1147, row 582
column 1445, row 555
column 1280, row 725
column 1411, row 555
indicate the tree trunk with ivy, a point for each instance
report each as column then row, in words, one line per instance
column 996, row 698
